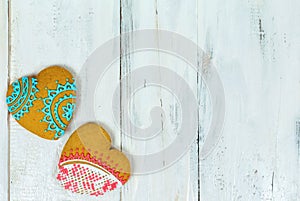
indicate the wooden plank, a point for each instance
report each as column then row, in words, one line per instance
column 280, row 45
column 47, row 33
column 179, row 181
column 254, row 48
column 4, row 137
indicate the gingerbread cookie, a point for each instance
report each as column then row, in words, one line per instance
column 88, row 164
column 43, row 104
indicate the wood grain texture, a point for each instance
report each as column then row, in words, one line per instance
column 4, row 132
column 255, row 46
column 180, row 181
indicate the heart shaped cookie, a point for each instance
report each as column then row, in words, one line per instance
column 88, row 164
column 43, row 104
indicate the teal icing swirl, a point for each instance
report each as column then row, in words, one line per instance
column 20, row 103
column 51, row 119
column 66, row 97
column 21, row 96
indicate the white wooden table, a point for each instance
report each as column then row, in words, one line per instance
column 255, row 47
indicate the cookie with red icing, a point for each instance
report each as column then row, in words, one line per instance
column 88, row 164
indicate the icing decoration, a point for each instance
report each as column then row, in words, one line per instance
column 28, row 95
column 88, row 164
column 43, row 104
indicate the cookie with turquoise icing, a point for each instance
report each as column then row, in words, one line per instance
column 43, row 104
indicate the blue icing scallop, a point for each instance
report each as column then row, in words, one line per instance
column 55, row 122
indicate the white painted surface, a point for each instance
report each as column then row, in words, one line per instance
column 4, row 138
column 254, row 45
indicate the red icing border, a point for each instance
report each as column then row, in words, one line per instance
column 117, row 174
